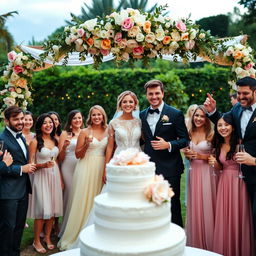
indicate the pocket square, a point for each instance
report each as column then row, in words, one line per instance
column 167, row 123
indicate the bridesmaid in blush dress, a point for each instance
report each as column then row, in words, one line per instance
column 46, row 200
column 67, row 157
column 233, row 233
column 87, row 180
column 202, row 183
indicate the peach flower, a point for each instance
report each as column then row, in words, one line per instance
column 147, row 26
column 166, row 40
column 106, row 44
column 22, row 83
column 90, row 41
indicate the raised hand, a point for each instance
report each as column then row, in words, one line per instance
column 7, row 158
column 210, row 103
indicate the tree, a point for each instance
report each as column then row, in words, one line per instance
column 251, row 6
column 6, row 39
column 218, row 25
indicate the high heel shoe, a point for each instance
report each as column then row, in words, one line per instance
column 49, row 246
column 39, row 250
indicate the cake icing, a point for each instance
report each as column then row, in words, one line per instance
column 126, row 223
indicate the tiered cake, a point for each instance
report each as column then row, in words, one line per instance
column 126, row 223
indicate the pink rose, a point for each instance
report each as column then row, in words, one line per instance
column 11, row 55
column 132, row 43
column 118, row 37
column 92, row 51
column 138, row 50
column 122, row 44
column 104, row 52
column 18, row 69
column 80, row 32
column 180, row 25
column 127, row 24
column 190, row 44
column 249, row 66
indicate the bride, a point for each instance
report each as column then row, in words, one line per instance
column 124, row 131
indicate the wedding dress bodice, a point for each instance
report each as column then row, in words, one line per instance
column 46, row 154
column 127, row 133
column 97, row 147
column 70, row 151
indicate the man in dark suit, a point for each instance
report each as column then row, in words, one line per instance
column 244, row 115
column 165, row 134
column 14, row 184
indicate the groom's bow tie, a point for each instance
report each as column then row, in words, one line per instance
column 247, row 108
column 18, row 135
column 151, row 111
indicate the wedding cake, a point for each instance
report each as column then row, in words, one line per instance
column 133, row 217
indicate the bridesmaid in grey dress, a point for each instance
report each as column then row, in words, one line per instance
column 67, row 158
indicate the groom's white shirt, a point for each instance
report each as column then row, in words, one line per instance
column 152, row 120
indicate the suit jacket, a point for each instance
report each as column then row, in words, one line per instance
column 12, row 184
column 249, row 139
column 174, row 131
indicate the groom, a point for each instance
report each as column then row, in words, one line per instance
column 14, row 184
column 165, row 134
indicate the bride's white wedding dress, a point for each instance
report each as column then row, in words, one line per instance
column 127, row 135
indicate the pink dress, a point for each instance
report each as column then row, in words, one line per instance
column 201, row 203
column 233, row 234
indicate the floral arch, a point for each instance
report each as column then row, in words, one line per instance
column 128, row 35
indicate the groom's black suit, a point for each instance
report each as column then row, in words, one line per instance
column 249, row 141
column 14, row 189
column 169, row 164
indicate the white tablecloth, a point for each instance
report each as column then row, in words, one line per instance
column 189, row 251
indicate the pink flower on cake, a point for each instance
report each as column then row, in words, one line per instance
column 159, row 190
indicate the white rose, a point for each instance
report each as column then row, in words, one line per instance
column 90, row 24
column 6, row 73
column 229, row 51
column 239, row 46
column 27, row 94
column 104, row 34
column 73, row 30
column 67, row 29
column 159, row 34
column 9, row 101
column 79, row 41
column 18, row 90
column 120, row 17
column 173, row 47
column 139, row 19
column 150, row 37
column 160, row 19
column 68, row 40
column 97, row 43
column 14, row 77
column 20, row 96
column 25, row 103
column 167, row 24
column 245, row 52
column 18, row 61
column 202, row 35
column 13, row 94
column 246, row 59
column 55, row 48
column 24, row 57
column 108, row 26
column 140, row 37
column 193, row 34
column 175, row 36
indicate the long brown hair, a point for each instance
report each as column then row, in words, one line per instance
column 208, row 128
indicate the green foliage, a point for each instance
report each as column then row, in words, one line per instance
column 250, row 16
column 218, row 25
column 63, row 89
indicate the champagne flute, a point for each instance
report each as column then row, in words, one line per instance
column 213, row 153
column 240, row 148
column 69, row 137
column 1, row 145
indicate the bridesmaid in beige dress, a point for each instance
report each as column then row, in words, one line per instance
column 67, row 157
column 87, row 179
column 46, row 200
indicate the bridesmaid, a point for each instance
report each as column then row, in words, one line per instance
column 46, row 200
column 202, row 183
column 233, row 233
column 57, row 122
column 87, row 180
column 67, row 146
column 28, row 124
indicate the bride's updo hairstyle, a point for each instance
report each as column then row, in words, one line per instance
column 101, row 109
column 121, row 97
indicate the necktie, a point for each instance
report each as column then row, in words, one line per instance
column 151, row 111
column 18, row 135
column 247, row 108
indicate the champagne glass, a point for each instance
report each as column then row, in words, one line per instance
column 240, row 148
column 213, row 153
column 90, row 135
column 69, row 137
column 1, row 145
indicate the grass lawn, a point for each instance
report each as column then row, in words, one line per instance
column 27, row 238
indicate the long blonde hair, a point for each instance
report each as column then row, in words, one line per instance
column 208, row 127
column 121, row 97
column 101, row 109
